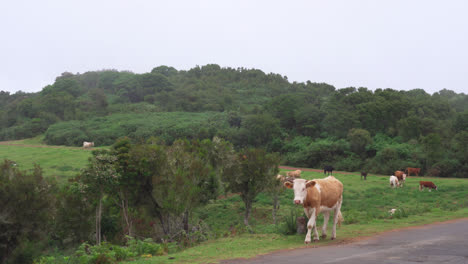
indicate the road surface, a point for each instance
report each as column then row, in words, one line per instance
column 445, row 243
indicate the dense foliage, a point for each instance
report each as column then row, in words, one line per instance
column 309, row 124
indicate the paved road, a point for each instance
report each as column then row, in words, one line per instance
column 436, row 243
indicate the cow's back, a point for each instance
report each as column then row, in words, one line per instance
column 331, row 191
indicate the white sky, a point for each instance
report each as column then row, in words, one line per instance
column 399, row 44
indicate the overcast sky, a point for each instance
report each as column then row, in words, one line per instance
column 399, row 44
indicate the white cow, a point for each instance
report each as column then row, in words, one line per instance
column 88, row 144
column 394, row 181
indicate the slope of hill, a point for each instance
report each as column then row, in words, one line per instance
column 311, row 124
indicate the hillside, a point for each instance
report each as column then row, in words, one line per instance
column 310, row 124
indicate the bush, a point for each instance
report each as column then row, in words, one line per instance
column 289, row 226
column 147, row 246
column 400, row 213
column 445, row 168
column 169, row 126
column 350, row 163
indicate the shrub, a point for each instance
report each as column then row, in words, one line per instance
column 289, row 226
column 146, row 246
column 400, row 213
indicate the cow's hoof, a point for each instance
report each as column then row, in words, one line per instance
column 316, row 240
column 333, row 238
column 324, row 236
column 307, row 242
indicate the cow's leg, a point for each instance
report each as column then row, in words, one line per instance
column 316, row 235
column 326, row 216
column 335, row 218
column 310, row 224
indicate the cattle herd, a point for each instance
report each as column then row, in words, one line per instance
column 326, row 195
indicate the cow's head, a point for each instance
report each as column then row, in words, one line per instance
column 300, row 189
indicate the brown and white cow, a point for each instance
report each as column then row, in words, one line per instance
column 427, row 184
column 319, row 196
column 295, row 174
column 401, row 176
column 413, row 170
column 88, row 144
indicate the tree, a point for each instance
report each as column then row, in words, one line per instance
column 275, row 189
column 359, row 139
column 98, row 178
column 191, row 180
column 127, row 181
column 26, row 202
column 433, row 148
column 260, row 129
column 252, row 172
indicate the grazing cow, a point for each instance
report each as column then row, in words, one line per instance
column 328, row 169
column 413, row 170
column 427, row 184
column 282, row 178
column 401, row 176
column 88, row 144
column 294, row 174
column 394, row 181
column 319, row 196
column 363, row 174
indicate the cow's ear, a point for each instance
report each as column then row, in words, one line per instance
column 288, row 184
column 310, row 184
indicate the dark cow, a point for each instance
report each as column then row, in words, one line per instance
column 427, row 184
column 328, row 169
column 413, row 170
column 363, row 174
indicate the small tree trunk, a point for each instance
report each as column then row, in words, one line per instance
column 185, row 219
column 98, row 221
column 248, row 208
column 275, row 207
column 301, row 225
column 126, row 216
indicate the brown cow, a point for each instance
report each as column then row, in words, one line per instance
column 413, row 170
column 401, row 176
column 295, row 174
column 427, row 184
column 319, row 196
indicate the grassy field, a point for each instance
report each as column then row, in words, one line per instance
column 365, row 209
column 57, row 161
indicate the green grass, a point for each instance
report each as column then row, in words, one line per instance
column 60, row 162
column 365, row 209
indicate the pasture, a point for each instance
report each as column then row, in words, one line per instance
column 365, row 209
column 59, row 161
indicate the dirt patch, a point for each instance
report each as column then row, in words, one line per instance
column 314, row 170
